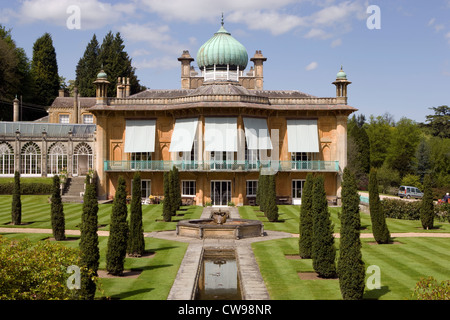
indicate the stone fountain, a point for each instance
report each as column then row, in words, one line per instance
column 220, row 226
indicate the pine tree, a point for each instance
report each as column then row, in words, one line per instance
column 323, row 250
column 57, row 211
column 87, row 69
column 351, row 269
column 136, row 244
column 306, row 219
column 118, row 234
column 90, row 254
column 427, row 206
column 167, row 212
column 271, row 202
column 16, row 205
column 44, row 70
column 117, row 63
column 379, row 226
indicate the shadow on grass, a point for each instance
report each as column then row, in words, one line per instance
column 131, row 293
column 375, row 294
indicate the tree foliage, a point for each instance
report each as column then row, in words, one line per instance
column 87, row 69
column 44, row 69
column 118, row 234
column 57, row 211
column 306, row 219
column 36, row 271
column 323, row 250
column 379, row 226
column 438, row 123
column 16, row 205
column 167, row 206
column 351, row 268
column 271, row 203
column 89, row 251
column 427, row 206
column 136, row 244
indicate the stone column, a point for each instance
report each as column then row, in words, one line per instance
column 101, row 155
column 44, row 154
column 341, row 148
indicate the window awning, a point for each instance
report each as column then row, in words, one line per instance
column 302, row 136
column 220, row 134
column 183, row 135
column 257, row 134
column 140, row 135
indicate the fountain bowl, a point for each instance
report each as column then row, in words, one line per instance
column 220, row 226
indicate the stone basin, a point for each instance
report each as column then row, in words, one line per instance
column 211, row 229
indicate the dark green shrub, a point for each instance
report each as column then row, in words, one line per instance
column 167, row 208
column 323, row 250
column 271, row 202
column 118, row 234
column 351, row 268
column 57, row 211
column 136, row 245
column 427, row 206
column 16, row 205
column 89, row 251
column 306, row 220
column 399, row 209
column 379, row 226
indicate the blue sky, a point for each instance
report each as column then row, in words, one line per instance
column 402, row 68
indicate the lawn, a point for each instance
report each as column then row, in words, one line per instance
column 36, row 214
column 402, row 265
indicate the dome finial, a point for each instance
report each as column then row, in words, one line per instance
column 222, row 19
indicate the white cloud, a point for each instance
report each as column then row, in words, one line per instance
column 336, row 43
column 162, row 63
column 317, row 33
column 93, row 13
column 313, row 65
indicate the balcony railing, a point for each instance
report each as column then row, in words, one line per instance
column 216, row 165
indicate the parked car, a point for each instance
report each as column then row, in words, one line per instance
column 409, row 192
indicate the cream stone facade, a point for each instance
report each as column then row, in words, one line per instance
column 221, row 129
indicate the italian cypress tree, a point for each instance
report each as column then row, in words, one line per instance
column 323, row 250
column 176, row 189
column 427, row 206
column 350, row 268
column 16, row 205
column 44, row 70
column 263, row 187
column 167, row 212
column 57, row 211
column 258, row 190
column 172, row 195
column 136, row 244
column 271, row 202
column 306, row 219
column 90, row 254
column 118, row 234
column 379, row 226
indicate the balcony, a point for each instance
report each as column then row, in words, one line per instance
column 216, row 165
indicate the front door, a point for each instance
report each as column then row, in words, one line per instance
column 220, row 193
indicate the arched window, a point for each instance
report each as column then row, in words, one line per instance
column 6, row 159
column 57, row 158
column 30, row 159
column 82, row 159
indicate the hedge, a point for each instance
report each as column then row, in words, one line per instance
column 410, row 210
column 29, row 185
column 26, row 188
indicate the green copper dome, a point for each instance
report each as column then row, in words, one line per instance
column 341, row 75
column 102, row 75
column 221, row 50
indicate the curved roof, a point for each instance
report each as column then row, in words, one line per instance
column 222, row 49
